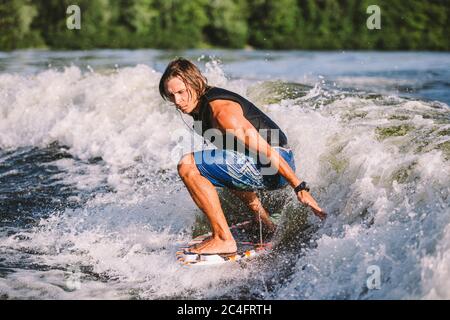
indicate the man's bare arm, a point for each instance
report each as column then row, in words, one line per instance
column 229, row 117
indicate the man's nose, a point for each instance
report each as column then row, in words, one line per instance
column 177, row 98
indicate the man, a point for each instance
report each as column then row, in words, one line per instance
column 250, row 162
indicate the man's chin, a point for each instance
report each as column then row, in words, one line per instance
column 187, row 110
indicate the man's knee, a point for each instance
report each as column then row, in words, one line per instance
column 186, row 166
column 254, row 205
column 251, row 200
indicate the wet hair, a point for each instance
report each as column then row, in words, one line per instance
column 188, row 73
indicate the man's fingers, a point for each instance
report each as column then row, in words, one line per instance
column 322, row 215
column 319, row 212
column 314, row 206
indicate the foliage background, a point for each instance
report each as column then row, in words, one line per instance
column 264, row 24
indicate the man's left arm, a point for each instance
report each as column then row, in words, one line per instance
column 229, row 117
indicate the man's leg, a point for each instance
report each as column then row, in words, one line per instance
column 206, row 198
column 250, row 198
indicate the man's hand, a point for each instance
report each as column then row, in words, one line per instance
column 305, row 198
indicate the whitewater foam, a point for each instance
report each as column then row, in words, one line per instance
column 376, row 163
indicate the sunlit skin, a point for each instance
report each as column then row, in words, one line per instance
column 228, row 115
column 179, row 95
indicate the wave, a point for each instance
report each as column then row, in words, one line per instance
column 379, row 164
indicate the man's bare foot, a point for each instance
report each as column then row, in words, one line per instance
column 215, row 245
column 202, row 243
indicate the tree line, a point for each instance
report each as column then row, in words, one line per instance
column 264, row 24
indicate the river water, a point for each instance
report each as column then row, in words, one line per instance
column 91, row 205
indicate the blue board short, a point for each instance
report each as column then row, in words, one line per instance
column 231, row 169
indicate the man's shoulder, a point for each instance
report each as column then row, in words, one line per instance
column 217, row 93
column 213, row 91
column 224, row 108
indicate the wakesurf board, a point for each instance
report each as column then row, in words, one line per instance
column 249, row 244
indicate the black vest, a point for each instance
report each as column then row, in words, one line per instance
column 256, row 117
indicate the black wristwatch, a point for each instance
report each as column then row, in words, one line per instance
column 300, row 187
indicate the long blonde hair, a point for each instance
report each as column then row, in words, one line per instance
column 188, row 73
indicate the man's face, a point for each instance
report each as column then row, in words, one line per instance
column 179, row 95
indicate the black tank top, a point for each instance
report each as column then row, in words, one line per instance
column 268, row 129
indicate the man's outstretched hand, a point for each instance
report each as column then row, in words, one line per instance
column 306, row 198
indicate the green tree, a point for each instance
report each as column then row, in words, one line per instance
column 227, row 26
column 435, row 36
column 16, row 17
column 136, row 23
column 274, row 24
column 180, row 23
column 285, row 24
column 96, row 22
column 309, row 21
column 268, row 24
column 329, row 28
column 348, row 31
